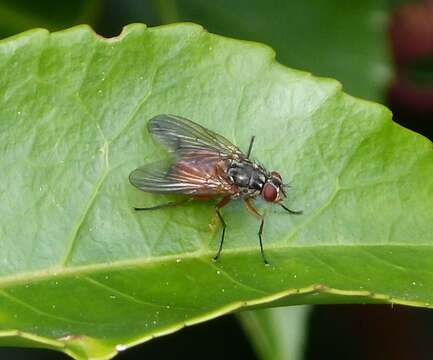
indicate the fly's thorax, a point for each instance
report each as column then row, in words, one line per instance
column 246, row 175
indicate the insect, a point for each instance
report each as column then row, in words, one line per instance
column 207, row 165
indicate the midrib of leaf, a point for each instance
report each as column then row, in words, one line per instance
column 230, row 307
column 203, row 256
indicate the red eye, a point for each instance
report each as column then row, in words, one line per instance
column 269, row 192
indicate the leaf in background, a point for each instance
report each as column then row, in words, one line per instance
column 20, row 15
column 343, row 40
column 277, row 333
column 83, row 273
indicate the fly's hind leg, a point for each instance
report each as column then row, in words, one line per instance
column 259, row 216
column 165, row 205
column 224, row 201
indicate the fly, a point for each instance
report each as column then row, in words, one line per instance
column 207, row 165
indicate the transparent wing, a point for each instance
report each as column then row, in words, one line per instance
column 182, row 136
column 197, row 174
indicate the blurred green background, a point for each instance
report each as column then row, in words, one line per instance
column 379, row 50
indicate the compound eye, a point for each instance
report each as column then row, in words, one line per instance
column 270, row 192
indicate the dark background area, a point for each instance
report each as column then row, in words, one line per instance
column 335, row 332
column 355, row 332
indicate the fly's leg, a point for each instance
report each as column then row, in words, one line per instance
column 250, row 147
column 165, row 205
column 224, row 201
column 222, row 235
column 259, row 216
column 294, row 212
column 261, row 241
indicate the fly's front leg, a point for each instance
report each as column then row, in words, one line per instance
column 224, row 201
column 294, row 212
column 259, row 216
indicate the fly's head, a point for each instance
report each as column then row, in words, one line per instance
column 273, row 189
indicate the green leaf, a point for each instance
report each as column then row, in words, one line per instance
column 330, row 38
column 343, row 40
column 277, row 333
column 83, row 273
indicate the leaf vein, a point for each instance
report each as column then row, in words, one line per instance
column 232, row 279
column 41, row 312
column 128, row 297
